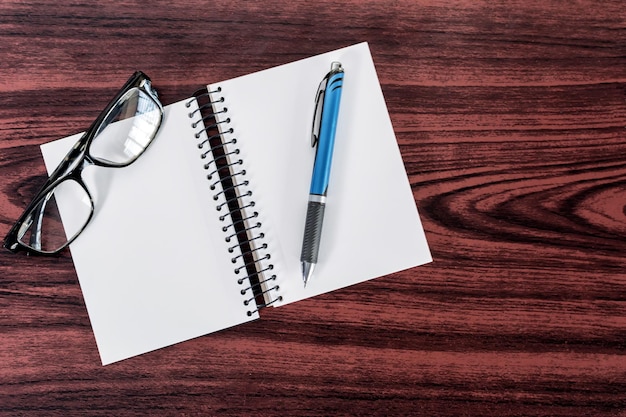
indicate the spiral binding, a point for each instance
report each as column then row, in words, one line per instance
column 217, row 140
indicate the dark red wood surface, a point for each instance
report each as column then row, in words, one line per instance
column 511, row 118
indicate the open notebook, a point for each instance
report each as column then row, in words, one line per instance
column 160, row 264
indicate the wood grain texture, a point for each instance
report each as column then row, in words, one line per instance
column 511, row 119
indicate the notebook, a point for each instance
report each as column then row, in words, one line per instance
column 205, row 229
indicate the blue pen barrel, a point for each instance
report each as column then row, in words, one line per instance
column 328, row 128
column 321, row 169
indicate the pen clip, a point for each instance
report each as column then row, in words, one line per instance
column 317, row 113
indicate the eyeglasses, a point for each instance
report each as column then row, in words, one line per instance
column 120, row 135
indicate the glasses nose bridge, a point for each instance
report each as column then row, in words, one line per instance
column 73, row 164
column 76, row 174
column 72, row 169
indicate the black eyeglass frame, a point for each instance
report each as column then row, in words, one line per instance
column 76, row 160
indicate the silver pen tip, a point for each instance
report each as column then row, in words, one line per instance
column 307, row 271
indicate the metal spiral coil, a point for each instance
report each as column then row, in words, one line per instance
column 220, row 146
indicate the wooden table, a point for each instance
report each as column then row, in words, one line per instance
column 511, row 121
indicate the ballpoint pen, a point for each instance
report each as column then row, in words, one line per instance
column 323, row 135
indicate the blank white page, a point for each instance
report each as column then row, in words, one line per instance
column 371, row 224
column 153, row 264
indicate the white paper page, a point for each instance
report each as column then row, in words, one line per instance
column 153, row 264
column 371, row 225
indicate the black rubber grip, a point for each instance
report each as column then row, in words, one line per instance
column 312, row 232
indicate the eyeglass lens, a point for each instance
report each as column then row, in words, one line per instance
column 43, row 229
column 127, row 130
